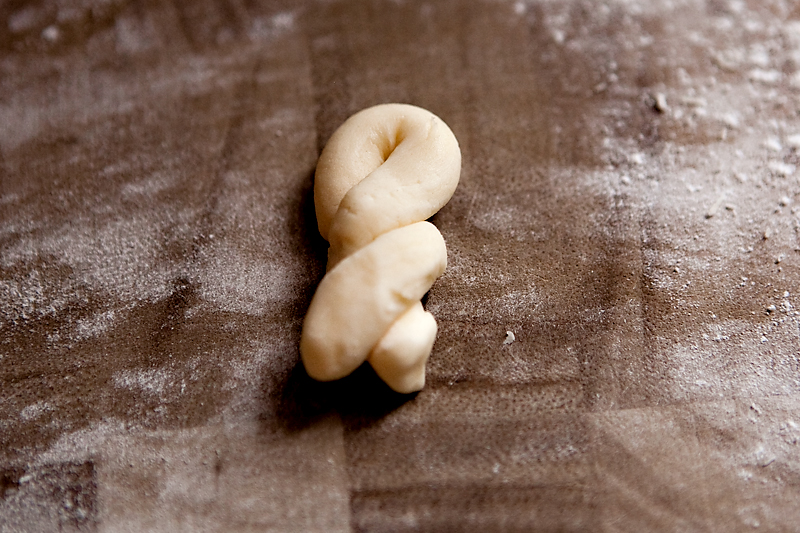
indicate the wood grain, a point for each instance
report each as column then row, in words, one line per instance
column 627, row 209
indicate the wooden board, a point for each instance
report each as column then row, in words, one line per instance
column 626, row 209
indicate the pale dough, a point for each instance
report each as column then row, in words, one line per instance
column 382, row 174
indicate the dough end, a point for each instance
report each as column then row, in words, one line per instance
column 400, row 356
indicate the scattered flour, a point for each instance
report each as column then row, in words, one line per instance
column 781, row 169
column 793, row 141
column 153, row 381
column 265, row 29
column 234, row 280
column 34, row 411
column 95, row 325
column 121, row 257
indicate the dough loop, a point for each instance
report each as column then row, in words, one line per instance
column 384, row 172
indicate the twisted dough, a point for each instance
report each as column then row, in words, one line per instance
column 382, row 174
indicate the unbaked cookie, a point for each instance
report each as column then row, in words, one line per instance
column 382, row 174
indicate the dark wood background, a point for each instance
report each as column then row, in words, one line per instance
column 626, row 209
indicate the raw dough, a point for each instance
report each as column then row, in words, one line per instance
column 382, row 174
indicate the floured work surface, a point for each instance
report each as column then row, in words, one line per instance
column 628, row 209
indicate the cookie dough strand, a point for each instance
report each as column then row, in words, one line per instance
column 382, row 174
column 357, row 302
column 409, row 168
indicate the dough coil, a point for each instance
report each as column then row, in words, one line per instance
column 384, row 172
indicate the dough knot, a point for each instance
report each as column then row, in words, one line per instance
column 382, row 174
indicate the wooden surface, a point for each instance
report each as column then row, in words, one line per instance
column 626, row 209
